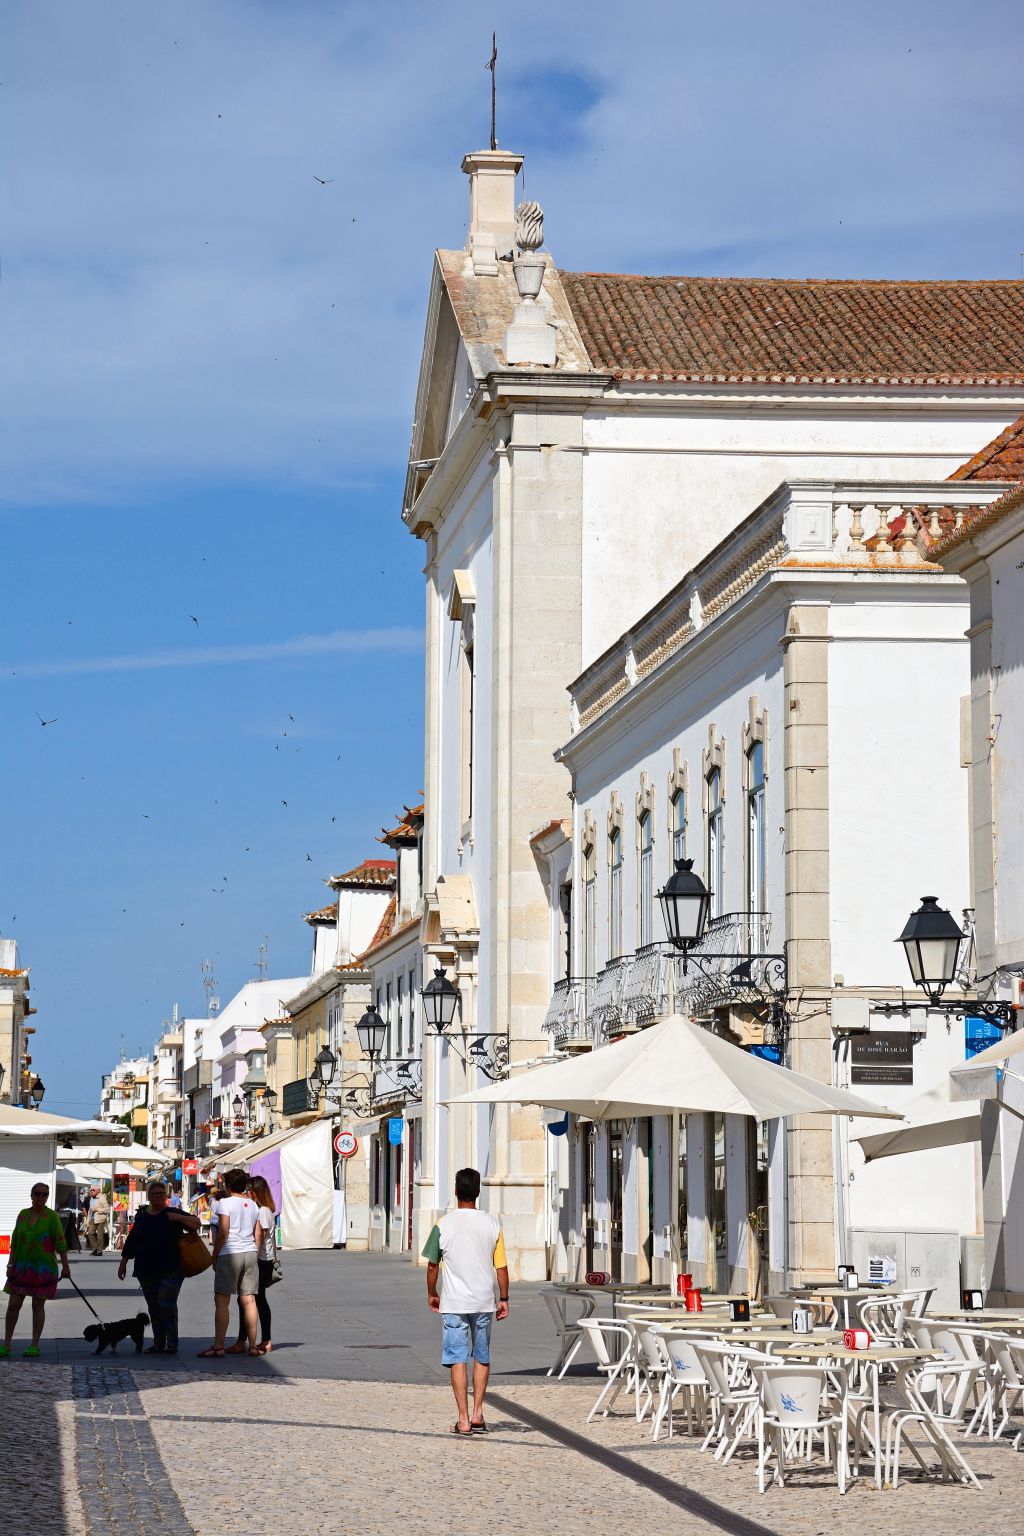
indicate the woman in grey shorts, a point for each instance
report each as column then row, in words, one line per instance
column 236, row 1272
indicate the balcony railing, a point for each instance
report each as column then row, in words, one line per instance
column 566, row 1020
column 647, row 986
column 732, row 964
column 605, row 1015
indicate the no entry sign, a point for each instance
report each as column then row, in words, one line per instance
column 345, row 1144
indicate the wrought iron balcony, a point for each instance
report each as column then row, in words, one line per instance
column 606, row 1014
column 647, row 986
column 566, row 1020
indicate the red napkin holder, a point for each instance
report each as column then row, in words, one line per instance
column 693, row 1300
column 597, row 1277
column 684, row 1283
column 856, row 1338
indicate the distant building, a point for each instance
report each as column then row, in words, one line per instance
column 15, row 1077
column 124, row 1092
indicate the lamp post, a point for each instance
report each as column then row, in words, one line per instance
column 270, row 1100
column 931, row 941
column 325, row 1066
column 37, row 1091
column 371, row 1032
column 440, row 1002
column 488, row 1049
column 685, row 903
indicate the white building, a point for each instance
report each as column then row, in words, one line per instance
column 788, row 718
column 125, row 1091
column 987, row 550
column 572, row 457
column 167, row 1096
column 242, row 1050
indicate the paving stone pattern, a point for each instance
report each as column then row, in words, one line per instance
column 345, row 1430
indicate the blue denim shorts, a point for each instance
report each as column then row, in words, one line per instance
column 465, row 1336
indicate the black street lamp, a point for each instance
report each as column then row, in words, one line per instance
column 440, row 1002
column 37, row 1090
column 372, row 1032
column 325, row 1065
column 685, row 904
column 270, row 1098
column 931, row 940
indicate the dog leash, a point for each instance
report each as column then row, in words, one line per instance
column 88, row 1303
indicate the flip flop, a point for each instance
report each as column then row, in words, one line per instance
column 455, row 1430
column 477, row 1428
column 30, row 1352
column 5, row 1353
column 210, row 1354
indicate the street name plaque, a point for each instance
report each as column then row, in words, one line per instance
column 882, row 1057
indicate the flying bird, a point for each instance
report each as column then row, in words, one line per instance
column 309, row 858
column 292, row 719
column 195, row 621
column 284, row 802
column 333, row 820
column 46, row 722
column 322, row 181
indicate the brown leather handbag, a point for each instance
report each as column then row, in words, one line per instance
column 193, row 1254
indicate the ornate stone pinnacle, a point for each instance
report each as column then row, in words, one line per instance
column 529, row 226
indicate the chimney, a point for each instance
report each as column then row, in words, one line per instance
column 492, row 207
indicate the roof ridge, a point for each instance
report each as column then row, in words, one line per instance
column 993, row 452
column 823, row 282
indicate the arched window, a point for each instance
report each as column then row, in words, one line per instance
column 715, row 845
column 756, row 899
column 645, row 882
column 615, row 893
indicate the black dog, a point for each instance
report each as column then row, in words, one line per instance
column 133, row 1328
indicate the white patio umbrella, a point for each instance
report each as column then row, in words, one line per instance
column 679, row 1067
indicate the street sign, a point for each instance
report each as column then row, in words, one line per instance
column 190, row 1165
column 882, row 1057
column 345, row 1144
column 396, row 1125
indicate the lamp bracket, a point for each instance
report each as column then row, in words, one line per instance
column 488, row 1050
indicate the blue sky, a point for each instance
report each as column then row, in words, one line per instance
column 210, row 369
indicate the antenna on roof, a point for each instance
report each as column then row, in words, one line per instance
column 262, row 962
column 209, row 982
column 122, row 1055
column 491, row 62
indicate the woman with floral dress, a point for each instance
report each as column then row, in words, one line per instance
column 38, row 1251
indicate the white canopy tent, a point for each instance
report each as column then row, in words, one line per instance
column 30, row 1142
column 131, row 1159
column 675, row 1067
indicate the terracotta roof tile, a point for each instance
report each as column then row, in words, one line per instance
column 974, row 520
column 371, row 872
column 385, row 928
column 328, row 914
column 1001, row 459
column 769, row 330
column 407, row 828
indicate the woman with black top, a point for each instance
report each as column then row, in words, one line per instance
column 153, row 1244
column 265, row 1233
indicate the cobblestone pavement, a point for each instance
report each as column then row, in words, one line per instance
column 333, row 1440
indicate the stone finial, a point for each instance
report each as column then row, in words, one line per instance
column 529, row 226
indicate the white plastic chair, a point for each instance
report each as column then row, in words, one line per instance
column 605, row 1338
column 685, row 1376
column 793, row 1403
column 570, row 1334
column 732, row 1394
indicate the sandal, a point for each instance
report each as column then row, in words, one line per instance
column 477, row 1427
column 30, row 1352
column 4, row 1352
column 255, row 1351
column 457, row 1431
column 236, row 1349
column 213, row 1353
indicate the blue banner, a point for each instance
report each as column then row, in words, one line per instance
column 395, row 1127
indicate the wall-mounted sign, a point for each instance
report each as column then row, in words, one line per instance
column 345, row 1144
column 881, row 1057
column 396, row 1126
column 190, row 1165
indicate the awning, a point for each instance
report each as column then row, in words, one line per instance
column 134, row 1155
column 934, row 1119
column 250, row 1150
column 674, row 1067
column 35, row 1125
column 948, row 1115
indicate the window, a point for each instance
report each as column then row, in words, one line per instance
column 715, row 860
column 387, row 1017
column 646, row 880
column 615, row 894
column 400, row 1016
column 413, row 1040
column 589, row 911
column 468, row 704
column 678, row 824
column 755, row 829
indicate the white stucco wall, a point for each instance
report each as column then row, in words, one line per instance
column 1006, row 567
column 661, row 487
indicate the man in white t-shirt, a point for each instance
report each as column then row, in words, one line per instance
column 236, row 1272
column 467, row 1249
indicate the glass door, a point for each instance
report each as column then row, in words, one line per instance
column 615, row 1197
column 719, row 1224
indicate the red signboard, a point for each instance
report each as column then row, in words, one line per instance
column 345, row 1144
column 190, row 1165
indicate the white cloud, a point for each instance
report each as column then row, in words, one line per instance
column 171, row 264
column 340, row 642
